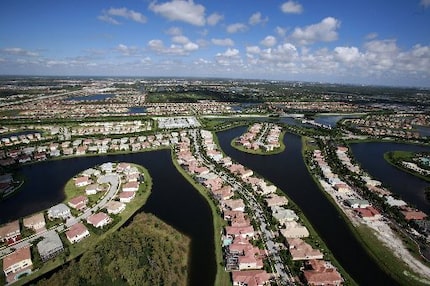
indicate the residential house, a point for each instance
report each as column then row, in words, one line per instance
column 17, row 263
column 294, row 230
column 251, row 278
column 77, row 232
column 82, row 181
column 99, row 219
column 50, row 246
column 126, row 197
column 300, row 250
column 10, row 232
column 320, row 273
column 283, row 215
column 59, row 211
column 78, row 203
column 115, row 207
column 35, row 222
column 275, row 200
column 234, row 205
column 92, row 189
column 130, row 187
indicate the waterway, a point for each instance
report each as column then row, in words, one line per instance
column 173, row 200
column 331, row 120
column 407, row 186
column 92, row 97
column 287, row 170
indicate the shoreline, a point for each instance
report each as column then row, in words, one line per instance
column 76, row 250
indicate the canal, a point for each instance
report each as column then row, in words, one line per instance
column 410, row 188
column 173, row 200
column 288, row 171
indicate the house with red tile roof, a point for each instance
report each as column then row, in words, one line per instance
column 82, row 181
column 78, row 203
column 77, row 232
column 319, row 273
column 413, row 214
column 130, row 187
column 10, row 232
column 251, row 278
column 17, row 263
column 126, row 197
column 234, row 205
column 99, row 219
column 243, row 231
column 369, row 213
column 300, row 250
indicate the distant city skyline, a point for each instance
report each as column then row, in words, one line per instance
column 358, row 42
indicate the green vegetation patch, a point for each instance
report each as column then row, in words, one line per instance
column 147, row 252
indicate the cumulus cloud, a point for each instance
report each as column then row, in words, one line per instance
column 425, row 3
column 180, row 10
column 125, row 50
column 229, row 53
column 325, row 31
column 223, row 42
column 281, row 31
column 108, row 15
column 269, row 41
column 253, row 49
column 180, row 48
column 292, row 7
column 214, row 18
column 256, row 18
column 180, row 39
column 236, row 27
column 229, row 57
column 347, row 54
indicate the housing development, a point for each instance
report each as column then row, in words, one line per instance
column 263, row 230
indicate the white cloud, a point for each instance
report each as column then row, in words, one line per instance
column 236, row 27
column 292, row 7
column 253, row 50
column 425, row 3
column 325, row 31
column 180, row 40
column 174, row 49
column 125, row 50
column 256, row 19
column 223, row 42
column 269, row 41
column 174, row 31
column 19, row 52
column 281, row 31
column 214, row 18
column 371, row 36
column 229, row 53
column 108, row 15
column 347, row 54
column 180, row 10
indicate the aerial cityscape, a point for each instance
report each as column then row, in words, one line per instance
column 214, row 143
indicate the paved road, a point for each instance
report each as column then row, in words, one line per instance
column 283, row 273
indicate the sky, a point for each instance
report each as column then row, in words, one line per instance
column 371, row 42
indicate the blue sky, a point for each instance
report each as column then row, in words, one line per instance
column 361, row 42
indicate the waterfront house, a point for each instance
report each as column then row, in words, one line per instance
column 319, row 272
column 412, row 214
column 275, row 200
column 82, row 181
column 17, row 264
column 368, row 213
column 10, row 232
column 251, row 278
column 242, row 231
column 357, row 203
column 300, row 250
column 234, row 205
column 283, row 215
column 35, row 222
column 50, row 246
column 130, row 187
column 59, row 211
column 115, row 207
column 294, row 230
column 77, row 232
column 78, row 203
column 99, row 219
column 126, row 197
